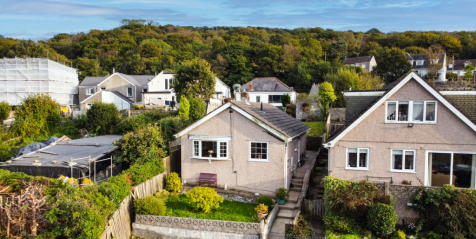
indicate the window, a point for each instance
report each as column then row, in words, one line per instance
column 166, row 84
column 411, row 111
column 450, row 65
column 419, row 63
column 363, row 65
column 90, row 91
column 258, row 99
column 274, row 99
column 210, row 149
column 357, row 158
column 144, row 90
column 403, row 160
column 258, row 151
column 129, row 92
column 103, row 88
column 171, row 83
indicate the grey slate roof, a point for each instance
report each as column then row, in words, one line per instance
column 356, row 105
column 466, row 104
column 139, row 80
column 360, row 59
column 92, row 80
column 122, row 96
column 424, row 57
column 274, row 117
column 459, row 64
column 337, row 114
column 314, row 89
column 143, row 79
column 263, row 84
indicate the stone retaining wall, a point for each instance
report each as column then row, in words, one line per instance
column 231, row 195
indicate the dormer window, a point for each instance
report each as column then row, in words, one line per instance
column 419, row 63
column 450, row 66
column 466, row 63
column 435, row 61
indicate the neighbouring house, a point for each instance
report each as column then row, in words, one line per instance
column 458, row 66
column 129, row 87
column 407, row 131
column 250, row 146
column 266, row 90
column 314, row 92
column 366, row 62
column 20, row 77
column 222, row 90
column 422, row 63
column 160, row 90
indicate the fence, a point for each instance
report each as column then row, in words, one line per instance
column 315, row 207
column 120, row 225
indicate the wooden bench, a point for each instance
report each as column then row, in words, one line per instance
column 207, row 178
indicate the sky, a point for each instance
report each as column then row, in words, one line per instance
column 42, row 19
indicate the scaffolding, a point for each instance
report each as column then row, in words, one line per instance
column 20, row 77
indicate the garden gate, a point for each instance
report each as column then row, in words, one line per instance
column 315, row 206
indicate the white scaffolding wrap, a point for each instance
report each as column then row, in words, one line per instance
column 20, row 77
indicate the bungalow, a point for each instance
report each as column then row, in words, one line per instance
column 267, row 90
column 366, row 62
column 250, row 146
column 408, row 131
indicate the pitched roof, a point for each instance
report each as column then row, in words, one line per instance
column 274, row 117
column 360, row 59
column 314, row 89
column 121, row 96
column 92, row 80
column 266, row 84
column 143, row 79
column 424, row 57
column 390, row 90
column 218, row 79
column 465, row 103
column 139, row 80
column 274, row 120
column 458, row 65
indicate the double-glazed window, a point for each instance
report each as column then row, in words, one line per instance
column 210, row 149
column 168, row 84
column 403, row 160
column 129, row 92
column 411, row 111
column 274, row 99
column 90, row 91
column 258, row 151
column 357, row 158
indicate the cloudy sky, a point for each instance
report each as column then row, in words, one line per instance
column 41, row 19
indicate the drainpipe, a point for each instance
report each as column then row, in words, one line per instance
column 286, row 167
column 329, row 172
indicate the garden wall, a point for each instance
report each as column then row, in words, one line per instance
column 119, row 226
column 231, row 195
column 146, row 226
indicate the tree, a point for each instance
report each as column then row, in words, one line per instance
column 392, row 64
column 469, row 71
column 452, row 76
column 184, row 108
column 285, row 100
column 4, row 111
column 198, row 108
column 193, row 78
column 102, row 118
column 434, row 61
column 326, row 97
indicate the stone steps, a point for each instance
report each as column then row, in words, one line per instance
column 286, row 213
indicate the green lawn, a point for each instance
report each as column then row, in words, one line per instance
column 177, row 206
column 317, row 128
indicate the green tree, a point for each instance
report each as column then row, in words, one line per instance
column 469, row 71
column 285, row 100
column 326, row 97
column 5, row 109
column 194, row 78
column 198, row 108
column 184, row 108
column 102, row 118
column 392, row 64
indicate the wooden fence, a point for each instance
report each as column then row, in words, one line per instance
column 315, row 206
column 120, row 225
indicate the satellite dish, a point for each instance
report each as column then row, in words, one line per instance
column 236, row 87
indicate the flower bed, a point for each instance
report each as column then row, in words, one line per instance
column 178, row 206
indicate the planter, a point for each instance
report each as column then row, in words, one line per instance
column 262, row 215
column 281, row 201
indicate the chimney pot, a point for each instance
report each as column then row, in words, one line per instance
column 250, row 87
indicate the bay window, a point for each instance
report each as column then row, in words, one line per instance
column 210, row 149
column 411, row 111
column 357, row 158
column 403, row 160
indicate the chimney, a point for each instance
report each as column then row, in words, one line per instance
column 113, row 70
column 250, row 87
column 245, row 96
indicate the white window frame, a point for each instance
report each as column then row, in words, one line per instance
column 427, row 158
column 258, row 160
column 358, row 159
column 132, row 90
column 410, row 112
column 363, row 65
column 403, row 163
column 88, row 91
column 200, row 156
column 258, row 98
column 420, row 63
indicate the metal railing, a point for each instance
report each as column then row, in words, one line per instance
column 90, row 161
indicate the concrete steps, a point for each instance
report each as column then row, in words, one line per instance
column 286, row 213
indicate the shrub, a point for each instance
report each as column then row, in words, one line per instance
column 4, row 111
column 349, row 236
column 174, row 184
column 169, row 126
column 302, row 229
column 198, row 108
column 261, row 209
column 381, row 219
column 184, row 108
column 137, row 107
column 281, row 193
column 116, row 188
column 265, row 200
column 139, row 173
column 204, row 199
column 285, row 100
column 150, row 205
column 102, row 118
column 340, row 224
column 398, row 235
column 132, row 124
column 141, row 146
column 163, row 195
column 433, row 235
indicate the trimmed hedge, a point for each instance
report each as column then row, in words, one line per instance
column 150, row 205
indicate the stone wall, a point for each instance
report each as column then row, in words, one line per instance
column 146, row 226
column 231, row 195
column 313, row 109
